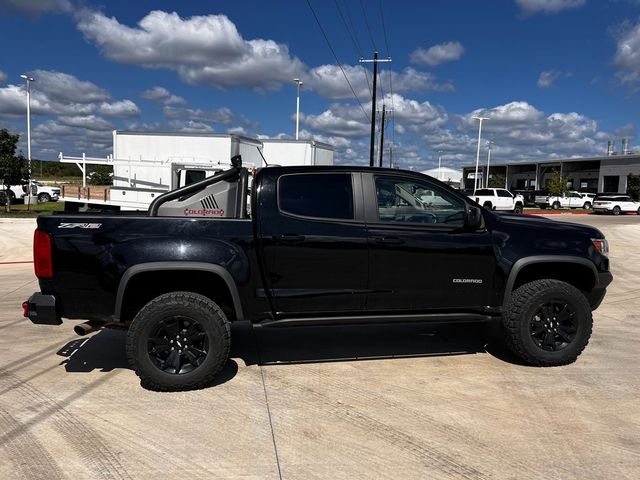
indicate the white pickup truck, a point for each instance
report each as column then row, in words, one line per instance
column 570, row 200
column 499, row 199
column 44, row 193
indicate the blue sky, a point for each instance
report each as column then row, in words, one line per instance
column 557, row 78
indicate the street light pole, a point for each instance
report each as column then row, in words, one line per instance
column 489, row 143
column 28, row 79
column 439, row 164
column 298, row 82
column 475, row 179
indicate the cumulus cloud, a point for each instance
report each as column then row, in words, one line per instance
column 329, row 82
column 162, row 95
column 35, row 8
column 531, row 7
column 627, row 57
column 437, row 54
column 205, row 49
column 67, row 111
column 222, row 115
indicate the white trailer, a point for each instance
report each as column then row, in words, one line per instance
column 147, row 164
column 296, row 152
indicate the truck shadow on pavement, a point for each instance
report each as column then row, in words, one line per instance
column 105, row 350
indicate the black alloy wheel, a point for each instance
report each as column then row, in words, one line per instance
column 178, row 345
column 178, row 341
column 553, row 326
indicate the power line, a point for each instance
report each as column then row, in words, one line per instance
column 354, row 39
column 324, row 34
column 366, row 21
column 386, row 43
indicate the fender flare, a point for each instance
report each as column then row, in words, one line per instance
column 526, row 261
column 218, row 270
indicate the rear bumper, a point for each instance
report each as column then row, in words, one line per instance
column 41, row 309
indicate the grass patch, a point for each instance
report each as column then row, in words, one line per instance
column 20, row 210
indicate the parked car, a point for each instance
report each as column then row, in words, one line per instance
column 616, row 205
column 572, row 199
column 322, row 246
column 529, row 196
column 499, row 199
column 39, row 190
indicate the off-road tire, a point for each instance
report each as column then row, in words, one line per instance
column 187, row 305
column 524, row 303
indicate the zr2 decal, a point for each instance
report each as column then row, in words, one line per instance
column 79, row 225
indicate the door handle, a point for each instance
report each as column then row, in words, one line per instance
column 389, row 240
column 288, row 237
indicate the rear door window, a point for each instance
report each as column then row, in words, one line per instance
column 317, row 195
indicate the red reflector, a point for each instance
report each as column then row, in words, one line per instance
column 42, row 254
column 25, row 309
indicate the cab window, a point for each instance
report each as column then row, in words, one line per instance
column 407, row 200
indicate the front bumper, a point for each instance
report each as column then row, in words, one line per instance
column 41, row 309
column 596, row 295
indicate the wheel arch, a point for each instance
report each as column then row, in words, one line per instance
column 211, row 274
column 577, row 271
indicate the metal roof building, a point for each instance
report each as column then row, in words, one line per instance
column 590, row 174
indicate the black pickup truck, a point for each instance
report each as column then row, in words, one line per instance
column 313, row 246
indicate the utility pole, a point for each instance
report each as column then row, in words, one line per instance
column 381, row 149
column 373, row 102
column 382, row 135
column 475, row 178
column 489, row 143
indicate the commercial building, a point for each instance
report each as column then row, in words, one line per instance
column 590, row 174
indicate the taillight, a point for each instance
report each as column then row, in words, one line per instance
column 42, row 254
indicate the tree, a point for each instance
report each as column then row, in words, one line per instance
column 14, row 170
column 101, row 175
column 557, row 184
column 633, row 186
column 496, row 181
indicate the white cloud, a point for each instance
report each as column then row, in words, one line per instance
column 222, row 115
column 530, row 7
column 547, row 77
column 437, row 54
column 120, row 108
column 329, row 82
column 627, row 58
column 205, row 49
column 35, row 8
column 162, row 95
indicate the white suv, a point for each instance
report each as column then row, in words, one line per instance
column 616, row 204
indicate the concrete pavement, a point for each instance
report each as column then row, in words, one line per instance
column 404, row 402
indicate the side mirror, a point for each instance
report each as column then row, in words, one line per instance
column 474, row 218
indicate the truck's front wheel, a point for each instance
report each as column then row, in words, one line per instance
column 547, row 323
column 178, row 341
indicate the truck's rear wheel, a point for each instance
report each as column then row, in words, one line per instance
column 547, row 323
column 178, row 341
